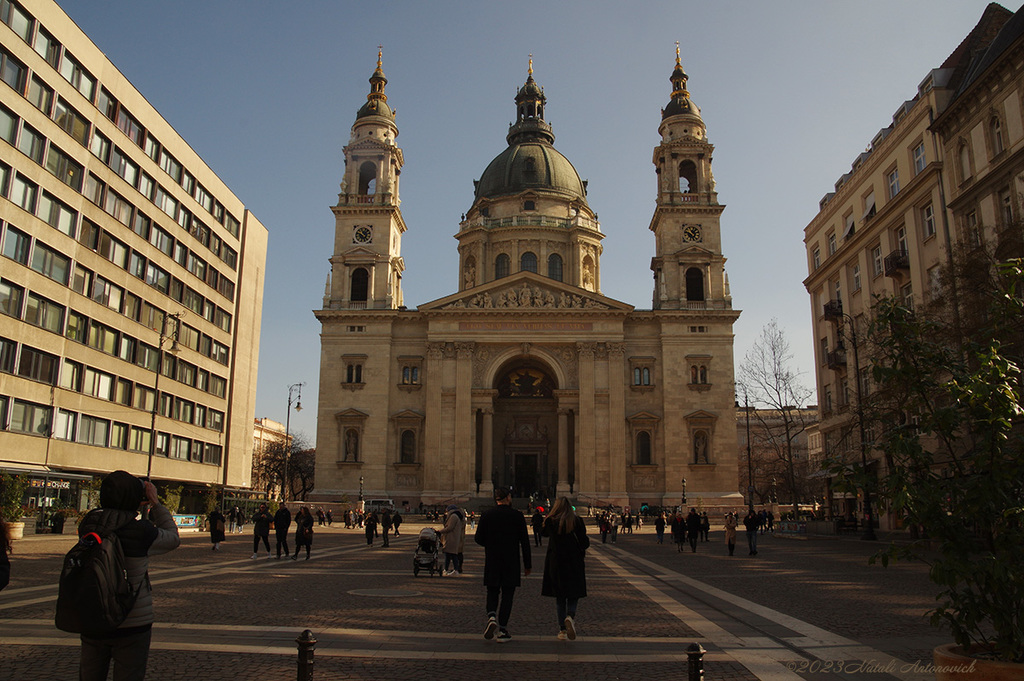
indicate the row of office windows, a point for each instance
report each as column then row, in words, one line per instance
column 17, row 75
column 36, row 365
column 26, row 194
column 43, row 259
column 35, row 309
column 20, row 416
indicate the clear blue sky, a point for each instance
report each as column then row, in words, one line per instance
column 266, row 93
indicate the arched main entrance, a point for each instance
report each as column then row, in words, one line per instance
column 525, row 429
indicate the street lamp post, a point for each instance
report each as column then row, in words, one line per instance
column 750, row 465
column 682, row 506
column 287, row 436
column 156, row 383
column 360, row 488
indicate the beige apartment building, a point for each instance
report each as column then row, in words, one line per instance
column 528, row 375
column 131, row 278
column 888, row 229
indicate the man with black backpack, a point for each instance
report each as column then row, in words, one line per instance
column 122, row 496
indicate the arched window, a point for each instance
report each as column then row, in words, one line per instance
column 528, row 262
column 360, row 285
column 687, row 177
column 646, row 376
column 502, row 265
column 643, row 448
column 694, row 284
column 408, row 454
column 555, row 266
column 367, row 178
column 996, row 130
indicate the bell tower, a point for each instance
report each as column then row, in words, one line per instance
column 688, row 266
column 367, row 265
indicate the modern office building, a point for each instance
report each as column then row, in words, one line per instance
column 528, row 375
column 887, row 228
column 131, row 277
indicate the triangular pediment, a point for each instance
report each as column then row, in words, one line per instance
column 525, row 291
column 350, row 414
column 700, row 415
column 691, row 249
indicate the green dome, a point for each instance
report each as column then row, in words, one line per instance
column 530, row 165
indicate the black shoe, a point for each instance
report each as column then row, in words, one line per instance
column 503, row 636
column 492, row 626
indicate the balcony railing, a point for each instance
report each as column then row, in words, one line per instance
column 833, row 309
column 836, row 359
column 896, row 261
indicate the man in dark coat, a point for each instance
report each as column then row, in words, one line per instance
column 538, row 525
column 282, row 521
column 261, row 520
column 693, row 528
column 503, row 534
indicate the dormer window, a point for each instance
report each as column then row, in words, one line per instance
column 529, row 205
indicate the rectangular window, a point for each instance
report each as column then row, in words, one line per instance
column 40, row 94
column 32, row 144
column 8, row 350
column 47, row 47
column 64, row 425
column 64, row 168
column 894, row 182
column 31, row 418
column 93, row 431
column 907, row 295
column 876, row 261
column 98, row 384
column 50, row 263
column 124, row 166
column 146, row 185
column 38, row 365
column 132, row 306
column 855, row 275
column 226, row 288
column 77, row 328
column 140, row 440
column 146, row 356
column 113, row 250
column 11, row 296
column 816, row 257
column 118, row 208
column 44, row 313
column 12, row 71
column 77, row 76
column 102, row 338
column 18, row 19
column 71, row 376
column 223, row 320
column 56, row 214
column 216, row 421
column 218, row 386
column 165, row 201
column 170, row 166
column 71, row 122
column 8, row 125
column 213, row 454
column 141, row 225
column 119, row 436
column 107, row 293
column 180, row 448
column 137, row 265
column 17, row 245
column 229, row 256
column 203, row 198
column 152, row 317
column 927, row 221
column 158, row 278
column 129, row 126
column 126, row 348
column 145, row 398
column 162, row 239
column 124, row 392
column 94, row 189
column 919, row 158
column 24, row 192
column 832, row 243
column 100, row 146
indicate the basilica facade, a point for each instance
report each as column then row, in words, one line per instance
column 528, row 376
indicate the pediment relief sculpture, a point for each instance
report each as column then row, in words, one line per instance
column 526, row 296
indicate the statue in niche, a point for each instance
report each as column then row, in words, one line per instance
column 351, row 445
column 700, row 447
column 469, row 279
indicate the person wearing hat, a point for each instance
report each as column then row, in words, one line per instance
column 503, row 534
column 122, row 496
column 453, row 537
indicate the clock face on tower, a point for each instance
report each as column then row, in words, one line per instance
column 363, row 235
column 691, row 233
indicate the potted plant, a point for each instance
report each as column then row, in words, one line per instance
column 12, row 496
column 60, row 514
column 947, row 416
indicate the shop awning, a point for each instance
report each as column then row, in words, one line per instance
column 35, row 470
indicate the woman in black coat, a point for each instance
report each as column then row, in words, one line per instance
column 303, row 531
column 564, row 571
column 216, row 528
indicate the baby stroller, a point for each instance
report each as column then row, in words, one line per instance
column 425, row 557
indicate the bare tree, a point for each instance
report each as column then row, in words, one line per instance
column 768, row 380
column 268, row 467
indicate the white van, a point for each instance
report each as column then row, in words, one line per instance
column 378, row 505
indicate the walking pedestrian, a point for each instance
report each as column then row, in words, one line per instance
column 216, row 522
column 614, row 522
column 659, row 527
column 564, row 570
column 320, row 517
column 303, row 531
column 282, row 523
column 330, row 517
column 234, row 516
column 751, row 523
column 370, row 527
column 122, row 497
column 678, row 530
column 730, row 531
column 693, row 528
column 502, row 532
column 385, row 526
column 261, row 529
column 705, row 526
column 453, row 539
column 537, row 522
column 396, row 520
column 5, row 548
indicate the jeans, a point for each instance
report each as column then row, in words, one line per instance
column 752, row 540
column 256, row 542
column 282, row 541
column 507, row 593
column 565, row 607
column 128, row 653
column 451, row 559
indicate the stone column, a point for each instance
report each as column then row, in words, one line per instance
column 465, row 426
column 586, row 473
column 432, row 418
column 562, row 487
column 487, row 453
column 617, row 445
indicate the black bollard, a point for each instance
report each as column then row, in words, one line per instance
column 306, row 643
column 695, row 662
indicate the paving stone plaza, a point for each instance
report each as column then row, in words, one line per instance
column 800, row 609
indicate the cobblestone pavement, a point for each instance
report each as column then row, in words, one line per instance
column 798, row 610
